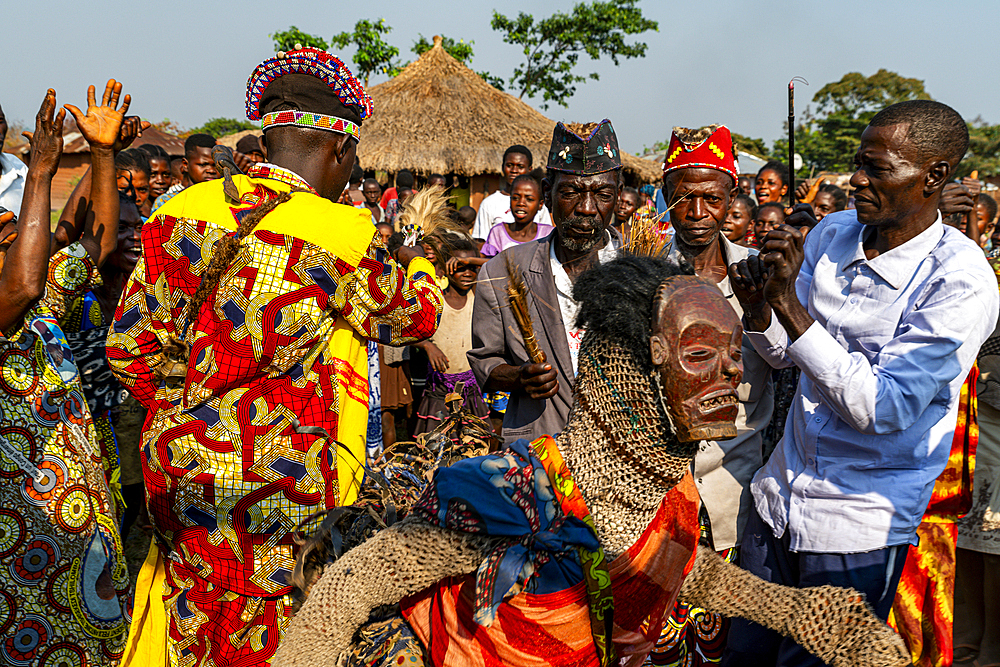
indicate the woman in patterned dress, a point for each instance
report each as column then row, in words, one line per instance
column 65, row 583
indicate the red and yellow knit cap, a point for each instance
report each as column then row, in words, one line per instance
column 707, row 148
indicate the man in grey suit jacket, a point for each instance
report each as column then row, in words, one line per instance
column 581, row 188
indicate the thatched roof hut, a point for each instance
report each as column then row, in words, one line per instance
column 438, row 116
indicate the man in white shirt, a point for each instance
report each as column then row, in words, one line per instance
column 12, row 174
column 884, row 310
column 495, row 208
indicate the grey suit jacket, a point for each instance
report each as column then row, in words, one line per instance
column 497, row 340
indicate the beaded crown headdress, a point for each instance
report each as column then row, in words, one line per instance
column 709, row 147
column 313, row 62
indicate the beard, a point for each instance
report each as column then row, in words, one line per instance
column 582, row 223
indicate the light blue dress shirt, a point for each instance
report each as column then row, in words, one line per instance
column 874, row 414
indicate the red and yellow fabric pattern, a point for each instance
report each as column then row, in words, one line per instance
column 923, row 611
column 269, row 423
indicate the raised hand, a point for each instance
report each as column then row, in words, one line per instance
column 782, row 254
column 101, row 125
column 132, row 128
column 956, row 198
column 747, row 279
column 47, row 139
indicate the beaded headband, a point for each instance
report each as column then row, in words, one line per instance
column 314, row 62
column 309, row 119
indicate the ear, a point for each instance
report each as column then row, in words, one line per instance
column 784, row 190
column 184, row 164
column 658, row 349
column 937, row 175
column 342, row 148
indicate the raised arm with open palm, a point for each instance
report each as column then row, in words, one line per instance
column 101, row 126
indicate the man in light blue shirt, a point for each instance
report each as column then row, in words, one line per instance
column 884, row 310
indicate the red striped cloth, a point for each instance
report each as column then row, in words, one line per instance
column 554, row 629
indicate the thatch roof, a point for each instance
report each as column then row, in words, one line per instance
column 439, row 116
column 231, row 140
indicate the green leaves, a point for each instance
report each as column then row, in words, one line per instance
column 552, row 46
column 286, row 40
column 460, row 50
column 984, row 150
column 220, row 127
column 373, row 55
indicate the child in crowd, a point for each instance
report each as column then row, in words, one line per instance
column 525, row 203
column 372, row 192
column 629, row 202
column 772, row 183
column 396, row 390
column 494, row 209
column 385, row 229
column 770, row 215
column 159, row 174
column 737, row 227
column 829, row 199
column 467, row 218
column 446, row 350
column 132, row 167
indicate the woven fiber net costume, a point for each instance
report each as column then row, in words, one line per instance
column 573, row 550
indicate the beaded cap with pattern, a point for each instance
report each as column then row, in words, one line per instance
column 709, row 148
column 595, row 153
column 314, row 62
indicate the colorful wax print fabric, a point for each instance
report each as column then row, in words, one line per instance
column 923, row 611
column 692, row 636
column 529, row 602
column 269, row 423
column 87, row 333
column 65, row 588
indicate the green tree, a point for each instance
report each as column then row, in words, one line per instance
column 286, row 40
column 460, row 51
column 220, row 127
column 552, row 46
column 984, row 150
column 828, row 139
column 373, row 55
column 750, row 145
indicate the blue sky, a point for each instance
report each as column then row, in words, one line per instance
column 712, row 61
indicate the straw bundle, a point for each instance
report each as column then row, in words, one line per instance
column 517, row 297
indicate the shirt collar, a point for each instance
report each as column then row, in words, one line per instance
column 286, row 176
column 896, row 267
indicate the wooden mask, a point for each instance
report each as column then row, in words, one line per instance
column 696, row 348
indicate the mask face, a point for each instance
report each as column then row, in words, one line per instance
column 696, row 348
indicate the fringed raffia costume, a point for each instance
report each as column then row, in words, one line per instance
column 566, row 551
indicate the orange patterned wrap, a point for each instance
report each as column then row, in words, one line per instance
column 554, row 629
column 924, row 608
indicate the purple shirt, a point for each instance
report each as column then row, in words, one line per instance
column 499, row 238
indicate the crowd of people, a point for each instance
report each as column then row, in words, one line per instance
column 720, row 409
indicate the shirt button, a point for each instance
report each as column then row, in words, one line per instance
column 819, row 420
column 854, row 299
column 811, row 462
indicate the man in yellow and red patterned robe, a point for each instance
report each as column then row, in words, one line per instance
column 261, row 422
